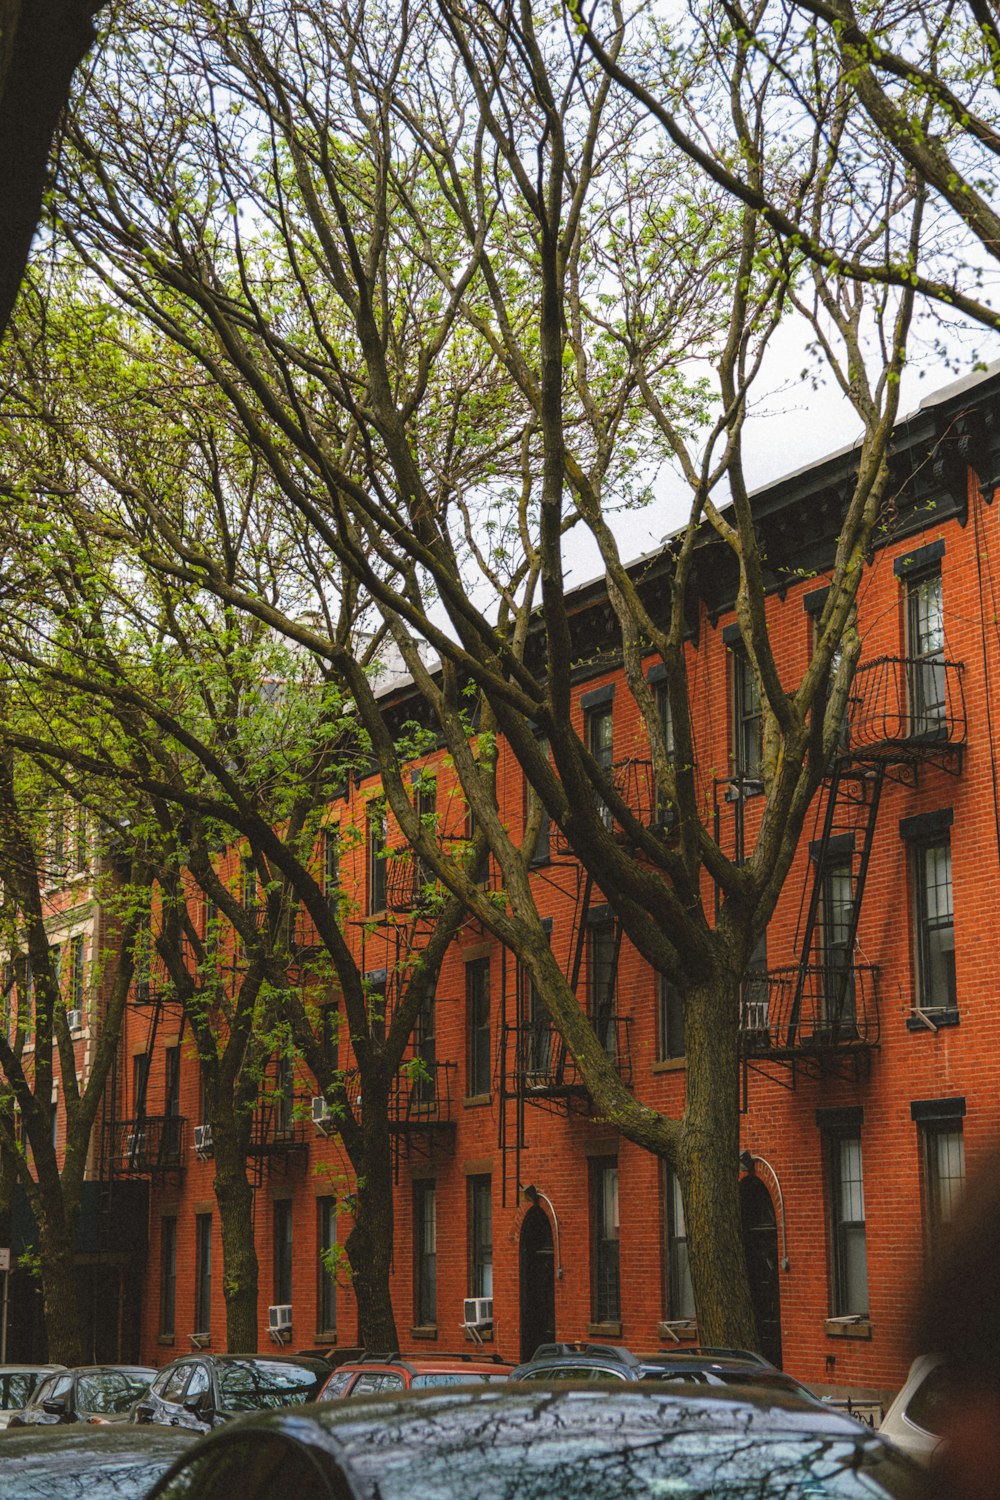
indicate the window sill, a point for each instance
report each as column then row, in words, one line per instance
column 838, row 1328
column 425, row 1331
column 670, row 1065
column 484, row 1338
column 605, row 1330
column 167, row 1339
column 940, row 1018
column 327, row 1336
column 473, row 1101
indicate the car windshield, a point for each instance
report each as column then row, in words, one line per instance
column 251, row 1385
column 109, row 1393
column 470, row 1377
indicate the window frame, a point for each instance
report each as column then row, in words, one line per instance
column 425, row 1252
column 925, row 647
column 283, row 1232
column 376, row 852
column 326, row 1241
column 748, row 716
column 602, row 982
column 168, row 1276
column 600, row 732
column 676, row 1258
column 927, row 927
column 605, row 1241
column 203, row 1273
column 846, row 1232
column 671, row 1042
column 479, row 1038
column 479, row 1191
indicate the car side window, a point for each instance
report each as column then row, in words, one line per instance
column 59, row 1388
column 931, row 1401
column 173, row 1386
column 369, row 1381
column 392, row 1382
column 337, row 1384
column 201, row 1381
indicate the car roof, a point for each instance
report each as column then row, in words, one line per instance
column 40, row 1447
column 422, row 1364
column 300, row 1361
column 363, row 1433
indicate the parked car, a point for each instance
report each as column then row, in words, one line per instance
column 913, row 1420
column 90, row 1393
column 17, row 1382
column 201, row 1391
column 83, row 1462
column 557, row 1442
column 391, row 1372
column 715, row 1367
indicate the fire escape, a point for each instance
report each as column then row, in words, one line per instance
column 820, row 1014
column 143, row 1145
column 422, row 1094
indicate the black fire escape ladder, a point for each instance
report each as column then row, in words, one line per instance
column 578, row 939
column 852, row 805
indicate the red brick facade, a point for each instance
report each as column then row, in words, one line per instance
column 894, row 1080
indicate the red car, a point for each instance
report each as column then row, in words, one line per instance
column 391, row 1372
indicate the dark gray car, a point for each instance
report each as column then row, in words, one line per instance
column 203, row 1391
column 90, row 1393
column 629, row 1442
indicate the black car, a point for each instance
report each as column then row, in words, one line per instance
column 85, row 1462
column 90, row 1393
column 630, row 1442
column 713, row 1367
column 201, row 1391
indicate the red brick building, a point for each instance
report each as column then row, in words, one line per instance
column 871, row 1067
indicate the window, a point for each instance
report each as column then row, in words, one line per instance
column 57, row 839
column 141, row 958
column 331, row 863
column 602, row 963
column 329, row 1035
column 425, row 1044
column 605, row 1283
column 925, row 637
column 375, row 992
column 838, row 958
column 171, row 1103
column 935, row 922
column 425, row 1254
column 847, row 1199
column 755, row 995
column 533, row 807
column 747, row 721
column 282, row 1251
column 939, row 1122
column 140, row 1082
column 480, row 1191
column 284, row 1096
column 670, row 1021
column 426, row 807
column 680, row 1293
column 203, row 1273
column 537, row 1050
column 168, row 1276
column 77, row 959
column 81, row 841
column 477, row 1011
column 326, row 1235
column 600, row 743
column 375, row 844
column 664, row 807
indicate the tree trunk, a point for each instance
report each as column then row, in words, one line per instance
column 234, row 1195
column 60, row 1291
column 710, row 1167
column 369, row 1244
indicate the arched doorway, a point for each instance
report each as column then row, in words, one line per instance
column 760, row 1246
column 538, row 1282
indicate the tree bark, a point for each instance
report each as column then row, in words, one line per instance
column 709, row 1164
column 369, row 1244
column 234, row 1195
column 60, row 1292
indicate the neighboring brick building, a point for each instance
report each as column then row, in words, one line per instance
column 870, row 1074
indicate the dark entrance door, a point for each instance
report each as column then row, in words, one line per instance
column 760, row 1245
column 538, row 1282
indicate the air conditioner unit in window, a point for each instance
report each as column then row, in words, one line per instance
column 203, row 1148
column 279, row 1322
column 135, row 1148
column 321, row 1116
column 74, row 1020
column 478, row 1312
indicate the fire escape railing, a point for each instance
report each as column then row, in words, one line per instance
column 810, row 1008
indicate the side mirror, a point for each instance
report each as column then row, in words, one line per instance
column 200, row 1405
column 55, row 1406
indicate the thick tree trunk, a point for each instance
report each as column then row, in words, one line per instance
column 710, row 1167
column 60, row 1291
column 234, row 1195
column 369, row 1244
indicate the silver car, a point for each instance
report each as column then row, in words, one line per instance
column 17, row 1384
